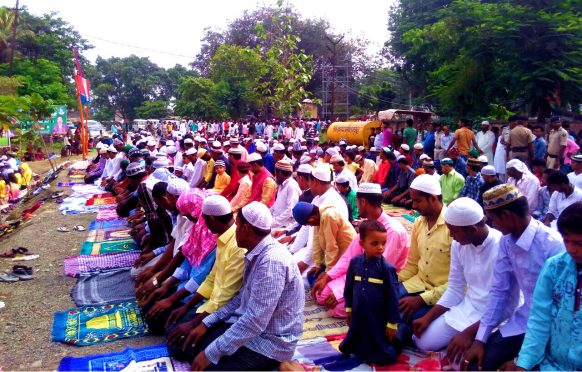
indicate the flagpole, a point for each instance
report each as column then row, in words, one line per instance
column 83, row 130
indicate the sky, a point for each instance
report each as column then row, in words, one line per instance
column 169, row 32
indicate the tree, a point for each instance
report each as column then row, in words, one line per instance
column 7, row 18
column 376, row 91
column 197, row 99
column 153, row 110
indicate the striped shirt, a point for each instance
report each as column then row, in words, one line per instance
column 267, row 314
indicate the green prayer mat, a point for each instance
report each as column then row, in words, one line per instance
column 90, row 248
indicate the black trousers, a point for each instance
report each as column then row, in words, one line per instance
column 244, row 359
column 499, row 350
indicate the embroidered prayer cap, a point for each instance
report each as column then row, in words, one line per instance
column 370, row 188
column 447, row 161
column 405, row 147
column 191, row 151
column 475, row 162
column 577, row 158
column 216, row 205
column 464, row 212
column 254, row 157
column 261, row 147
column 500, row 195
column 188, row 141
column 134, row 169
column 170, row 143
column 358, row 158
column 177, row 186
column 488, row 170
column 284, row 165
column 322, row 173
column 219, row 163
column 305, row 168
column 518, row 165
column 151, row 143
column 331, row 151
column 258, row 215
column 336, row 158
column 483, row 159
column 418, row 146
column 341, row 179
column 426, row 183
column 134, row 152
column 302, row 211
column 112, row 149
column 279, row 147
column 235, row 151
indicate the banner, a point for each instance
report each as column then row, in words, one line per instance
column 57, row 124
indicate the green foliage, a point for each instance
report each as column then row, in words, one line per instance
column 198, row 99
column 153, row 110
column 376, row 92
column 9, row 85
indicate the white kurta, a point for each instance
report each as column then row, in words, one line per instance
column 485, row 141
column 500, row 159
column 529, row 186
column 559, row 202
column 198, row 173
column 287, row 196
column 575, row 179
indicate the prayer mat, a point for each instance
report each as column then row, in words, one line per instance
column 70, row 184
column 120, row 233
column 76, row 265
column 150, row 358
column 108, row 247
column 317, row 322
column 102, row 195
column 91, row 325
column 107, row 214
column 101, row 201
column 104, row 287
column 104, row 225
column 396, row 211
column 77, row 176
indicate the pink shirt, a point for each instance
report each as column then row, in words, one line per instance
column 571, row 149
column 396, row 252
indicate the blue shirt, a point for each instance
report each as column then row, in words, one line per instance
column 472, row 188
column 461, row 166
column 540, row 147
column 267, row 314
column 553, row 339
column 191, row 276
column 429, row 143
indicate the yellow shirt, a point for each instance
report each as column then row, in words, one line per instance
column 221, row 181
column 19, row 179
column 427, row 269
column 370, row 168
column 225, row 278
column 332, row 237
column 209, row 169
column 352, row 167
column 26, row 174
column 3, row 191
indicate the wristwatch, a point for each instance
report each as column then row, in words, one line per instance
column 155, row 282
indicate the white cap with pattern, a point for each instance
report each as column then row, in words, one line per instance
column 216, row 205
column 258, row 215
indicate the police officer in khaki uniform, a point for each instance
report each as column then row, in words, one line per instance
column 557, row 140
column 520, row 144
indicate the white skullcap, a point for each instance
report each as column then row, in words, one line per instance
column 483, row 159
column 254, row 157
column 226, row 143
column 102, row 150
column 177, row 186
column 369, row 188
column 191, row 151
column 373, row 149
column 404, row 146
column 179, row 168
column 488, row 170
column 517, row 165
column 423, row 156
column 305, row 168
column 171, row 149
column 188, row 141
column 100, row 145
column 112, row 149
column 464, row 212
column 216, row 145
column 336, row 158
column 342, row 142
column 258, row 215
column 341, row 179
column 396, row 153
column 216, row 205
column 170, row 143
column 484, row 122
column 418, row 146
column 261, row 147
column 197, row 138
column 305, row 159
column 322, row 173
column 235, row 150
column 426, row 183
column 361, row 148
column 202, row 140
column 279, row 147
column 292, row 140
column 331, row 151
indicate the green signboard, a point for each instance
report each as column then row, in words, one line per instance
column 57, row 124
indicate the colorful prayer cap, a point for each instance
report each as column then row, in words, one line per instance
column 219, row 163
column 464, row 212
column 258, row 215
column 474, row 162
column 500, row 195
column 134, row 151
column 190, row 202
column 216, row 205
column 426, row 183
column 177, row 186
column 302, row 211
column 284, row 165
column 447, row 161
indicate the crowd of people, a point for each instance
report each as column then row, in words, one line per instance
column 237, row 228
column 16, row 178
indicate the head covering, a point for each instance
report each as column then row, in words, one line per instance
column 361, row 148
column 219, row 163
column 284, row 165
column 305, row 168
column 261, row 147
column 577, row 158
column 302, row 211
column 151, row 143
column 235, row 150
column 202, row 140
column 234, row 140
column 423, row 156
column 485, row 122
column 171, row 149
column 475, row 162
column 358, row 158
column 170, row 143
column 426, row 183
column 341, row 179
column 500, row 195
column 258, row 215
column 112, row 149
column 117, row 142
column 191, row 151
column 134, row 152
column 336, row 158
column 331, row 151
column 161, row 162
column 177, row 186
column 188, row 141
column 201, row 152
column 145, row 153
column 342, row 143
column 370, row 188
column 216, row 205
column 428, row 163
column 134, row 169
column 373, row 149
column 226, row 143
column 405, row 147
column 216, row 145
column 488, row 170
column 254, row 157
column 447, row 161
column 518, row 165
column 464, row 212
column 322, row 173
column 483, row 159
column 126, row 148
column 418, row 146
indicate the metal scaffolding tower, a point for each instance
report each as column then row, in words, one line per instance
column 335, row 92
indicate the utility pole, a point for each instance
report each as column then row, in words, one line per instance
column 13, row 42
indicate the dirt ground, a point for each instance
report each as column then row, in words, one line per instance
column 26, row 321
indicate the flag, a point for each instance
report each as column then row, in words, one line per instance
column 84, row 89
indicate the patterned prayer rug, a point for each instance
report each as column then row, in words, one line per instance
column 101, row 201
column 317, row 322
column 119, row 233
column 76, row 265
column 104, row 225
column 107, row 214
column 91, row 325
column 70, row 183
column 151, row 358
column 104, row 287
column 108, row 247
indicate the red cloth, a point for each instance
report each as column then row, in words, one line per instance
column 230, row 191
column 381, row 173
column 257, row 186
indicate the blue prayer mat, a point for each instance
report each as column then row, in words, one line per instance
column 103, row 225
column 90, row 325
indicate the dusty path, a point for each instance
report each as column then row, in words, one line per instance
column 26, row 321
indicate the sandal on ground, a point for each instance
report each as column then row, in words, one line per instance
column 57, row 194
column 59, row 200
column 21, row 273
column 63, row 229
column 27, row 269
column 27, row 257
column 14, row 251
column 79, row 228
column 9, row 278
